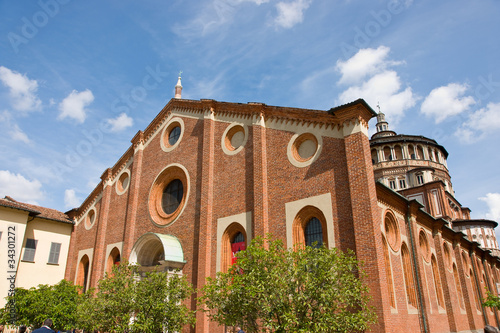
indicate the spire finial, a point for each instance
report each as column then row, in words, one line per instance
column 178, row 87
column 378, row 107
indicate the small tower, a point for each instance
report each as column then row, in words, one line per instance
column 178, row 87
column 382, row 125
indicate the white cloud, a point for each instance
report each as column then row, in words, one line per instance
column 11, row 128
column 70, row 199
column 479, row 123
column 370, row 77
column 73, row 106
column 364, row 63
column 120, row 123
column 446, row 101
column 493, row 202
column 384, row 88
column 22, row 90
column 18, row 135
column 486, row 119
column 291, row 13
column 20, row 188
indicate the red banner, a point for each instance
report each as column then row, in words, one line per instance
column 235, row 248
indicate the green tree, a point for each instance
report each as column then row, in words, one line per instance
column 127, row 300
column 34, row 305
column 492, row 301
column 275, row 289
column 110, row 307
column 160, row 303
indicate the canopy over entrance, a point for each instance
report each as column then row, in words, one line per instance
column 158, row 251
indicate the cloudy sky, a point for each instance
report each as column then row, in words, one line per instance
column 79, row 78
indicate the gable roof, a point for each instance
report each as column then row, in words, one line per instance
column 36, row 211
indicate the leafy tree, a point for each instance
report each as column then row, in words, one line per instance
column 275, row 289
column 110, row 307
column 159, row 303
column 34, row 305
column 125, row 302
column 492, row 301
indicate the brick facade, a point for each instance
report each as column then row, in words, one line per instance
column 257, row 183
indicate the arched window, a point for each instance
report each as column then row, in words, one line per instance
column 437, row 282
column 387, row 154
column 374, row 156
column 388, row 272
column 476, row 292
column 398, row 152
column 113, row 259
column 234, row 240
column 309, row 227
column 313, row 233
column 83, row 273
column 411, row 151
column 408, row 276
column 458, row 286
column 420, row 152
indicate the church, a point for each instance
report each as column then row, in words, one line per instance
column 206, row 176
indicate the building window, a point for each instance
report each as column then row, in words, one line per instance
column 388, row 271
column 420, row 179
column 30, row 249
column 55, row 249
column 314, row 233
column 233, row 241
column 83, row 272
column 169, row 194
column 113, row 260
column 172, row 196
column 437, row 282
column 309, row 227
column 402, row 183
column 392, row 184
column 408, row 276
column 458, row 287
column 173, row 135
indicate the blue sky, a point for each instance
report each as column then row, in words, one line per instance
column 79, row 78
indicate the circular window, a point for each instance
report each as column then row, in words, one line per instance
column 168, row 195
column 123, row 182
column 392, row 232
column 172, row 134
column 303, row 149
column 172, row 196
column 424, row 246
column 233, row 139
column 90, row 219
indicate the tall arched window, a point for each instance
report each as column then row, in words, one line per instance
column 313, row 233
column 437, row 282
column 309, row 226
column 458, row 286
column 83, row 272
column 387, row 154
column 398, row 152
column 408, row 276
column 233, row 240
column 374, row 156
column 113, row 259
column 388, row 272
column 474, row 288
